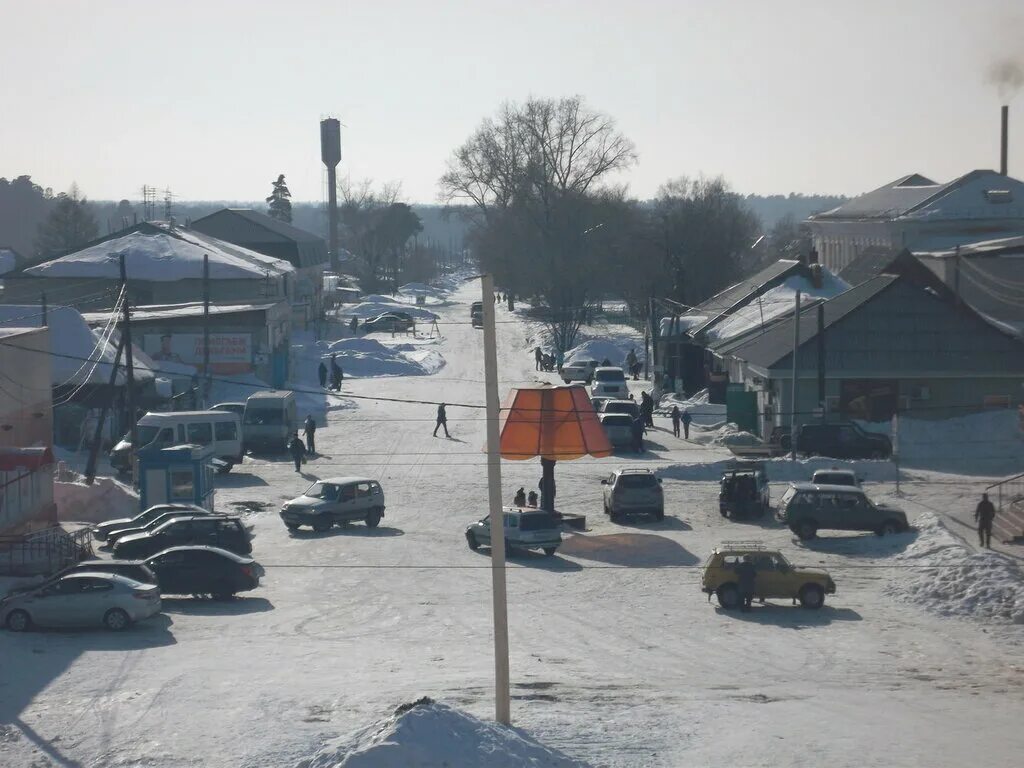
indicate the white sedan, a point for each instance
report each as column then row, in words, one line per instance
column 86, row 599
column 578, row 370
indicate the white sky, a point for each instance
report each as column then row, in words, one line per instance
column 215, row 98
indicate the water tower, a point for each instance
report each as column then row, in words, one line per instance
column 330, row 153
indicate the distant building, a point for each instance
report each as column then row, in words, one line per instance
column 917, row 213
column 259, row 232
column 10, row 260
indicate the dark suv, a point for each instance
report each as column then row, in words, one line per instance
column 843, row 440
column 211, row 530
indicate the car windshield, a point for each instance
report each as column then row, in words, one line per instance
column 638, row 481
column 147, row 434
column 834, row 478
column 537, row 521
column 269, row 416
column 610, row 376
column 321, row 490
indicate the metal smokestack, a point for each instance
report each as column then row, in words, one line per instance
column 1004, row 140
column 330, row 153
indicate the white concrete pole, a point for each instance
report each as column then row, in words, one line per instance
column 502, row 699
column 792, row 394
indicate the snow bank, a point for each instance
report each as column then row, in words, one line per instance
column 105, row 499
column 426, row 734
column 422, row 289
column 704, row 413
column 602, row 349
column 366, row 358
column 946, row 578
column 364, row 310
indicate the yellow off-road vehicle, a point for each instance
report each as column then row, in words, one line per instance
column 775, row 577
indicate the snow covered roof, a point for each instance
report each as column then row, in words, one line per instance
column 162, row 253
column 172, row 311
column 367, row 309
column 77, row 357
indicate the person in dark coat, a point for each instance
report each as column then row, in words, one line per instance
column 638, row 434
column 309, row 427
column 676, row 416
column 746, row 575
column 354, row 325
column 337, row 375
column 442, row 420
column 531, row 499
column 647, row 409
column 538, row 357
column 984, row 514
column 520, row 498
column 322, row 373
column 297, row 450
column 606, row 363
column 687, row 418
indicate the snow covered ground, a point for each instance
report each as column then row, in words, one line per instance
column 617, row 659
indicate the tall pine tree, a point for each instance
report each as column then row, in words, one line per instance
column 69, row 226
column 279, row 203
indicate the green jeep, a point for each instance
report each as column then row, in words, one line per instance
column 775, row 577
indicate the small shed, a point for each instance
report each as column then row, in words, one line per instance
column 180, row 473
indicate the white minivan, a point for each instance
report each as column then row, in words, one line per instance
column 269, row 420
column 220, row 428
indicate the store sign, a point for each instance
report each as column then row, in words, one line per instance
column 226, row 349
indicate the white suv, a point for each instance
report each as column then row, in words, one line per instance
column 633, row 491
column 609, row 382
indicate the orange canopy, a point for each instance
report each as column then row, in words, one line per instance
column 556, row 423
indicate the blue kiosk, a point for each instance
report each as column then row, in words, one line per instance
column 180, row 473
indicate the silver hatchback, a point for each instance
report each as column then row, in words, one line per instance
column 336, row 501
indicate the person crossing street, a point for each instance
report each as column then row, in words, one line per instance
column 442, row 420
column 984, row 514
column 309, row 427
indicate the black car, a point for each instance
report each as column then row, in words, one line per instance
column 119, row 533
column 214, row 531
column 204, row 571
column 842, row 440
column 103, row 530
column 390, row 322
column 133, row 569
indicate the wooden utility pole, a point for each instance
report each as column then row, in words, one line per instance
column 821, row 359
column 126, row 341
column 502, row 698
column 90, row 467
column 206, row 328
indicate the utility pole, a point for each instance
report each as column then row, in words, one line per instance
column 42, row 301
column 502, row 698
column 206, row 328
column 126, row 340
column 956, row 275
column 90, row 467
column 821, row 359
column 792, row 394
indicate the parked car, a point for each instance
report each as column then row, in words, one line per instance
column 843, row 440
column 200, row 570
column 156, row 522
column 103, row 530
column 807, row 508
column 389, row 322
column 775, row 577
column 269, row 420
column 218, row 428
column 578, row 370
column 609, row 381
column 83, row 599
column 629, row 407
column 135, row 570
column 335, row 501
column 215, row 531
column 524, row 529
column 835, row 477
column 236, row 408
column 633, row 491
column 744, row 492
column 618, row 427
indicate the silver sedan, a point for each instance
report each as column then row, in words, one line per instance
column 84, row 599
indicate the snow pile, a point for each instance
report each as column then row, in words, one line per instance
column 704, row 414
column 364, row 310
column 422, row 289
column 947, row 578
column 426, row 734
column 105, row 499
column 365, row 358
column 673, row 326
column 600, row 350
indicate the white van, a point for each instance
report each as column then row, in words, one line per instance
column 221, row 428
column 269, row 420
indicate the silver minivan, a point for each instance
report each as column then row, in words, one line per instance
column 335, row 501
column 218, row 428
column 269, row 420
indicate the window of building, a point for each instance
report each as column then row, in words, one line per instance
column 182, row 485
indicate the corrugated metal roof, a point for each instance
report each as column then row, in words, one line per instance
column 871, row 262
column 246, row 219
column 888, row 201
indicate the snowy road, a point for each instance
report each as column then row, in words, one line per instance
column 617, row 658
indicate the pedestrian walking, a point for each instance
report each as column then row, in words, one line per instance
column 985, row 513
column 309, row 427
column 337, row 375
column 297, row 450
column 442, row 420
column 638, row 434
column 687, row 418
column 647, row 409
column 676, row 418
column 746, row 576
column 538, row 358
column 322, row 373
column 631, row 363
column 354, row 325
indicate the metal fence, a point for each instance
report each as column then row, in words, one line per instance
column 43, row 552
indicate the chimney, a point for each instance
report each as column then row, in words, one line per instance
column 1003, row 139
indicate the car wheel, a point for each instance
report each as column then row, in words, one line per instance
column 471, row 540
column 659, row 515
column 807, row 529
column 728, row 596
column 509, row 550
column 222, row 591
column 549, row 551
column 373, row 518
column 18, row 621
column 812, row 596
column 876, row 454
column 761, row 509
column 116, row 620
column 322, row 524
column 615, row 516
column 567, row 381
column 888, row 528
column 292, row 526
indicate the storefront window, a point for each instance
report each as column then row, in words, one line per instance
column 182, row 485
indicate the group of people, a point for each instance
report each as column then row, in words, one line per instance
column 680, row 417
column 545, row 361
column 300, row 450
column 337, row 375
column 523, row 499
